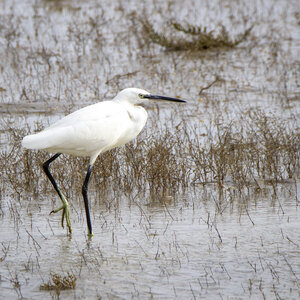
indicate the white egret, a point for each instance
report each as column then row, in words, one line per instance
column 91, row 131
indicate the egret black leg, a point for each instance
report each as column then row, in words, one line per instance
column 86, row 200
column 65, row 206
column 49, row 175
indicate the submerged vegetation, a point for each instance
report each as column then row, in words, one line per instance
column 195, row 38
column 59, row 283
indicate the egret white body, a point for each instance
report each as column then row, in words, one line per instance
column 91, row 131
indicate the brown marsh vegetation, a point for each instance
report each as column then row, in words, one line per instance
column 59, row 282
column 244, row 153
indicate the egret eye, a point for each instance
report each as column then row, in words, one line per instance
column 141, row 96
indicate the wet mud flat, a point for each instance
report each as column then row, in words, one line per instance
column 204, row 204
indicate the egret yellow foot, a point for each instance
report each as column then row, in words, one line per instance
column 90, row 235
column 65, row 214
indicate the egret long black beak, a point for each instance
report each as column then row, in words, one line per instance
column 157, row 97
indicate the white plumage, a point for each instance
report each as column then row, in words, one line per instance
column 93, row 129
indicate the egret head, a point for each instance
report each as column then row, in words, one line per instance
column 138, row 96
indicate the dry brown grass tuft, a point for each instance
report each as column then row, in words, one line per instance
column 59, row 282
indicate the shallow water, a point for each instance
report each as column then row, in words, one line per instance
column 182, row 248
column 58, row 56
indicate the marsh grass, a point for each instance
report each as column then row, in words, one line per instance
column 243, row 153
column 195, row 38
